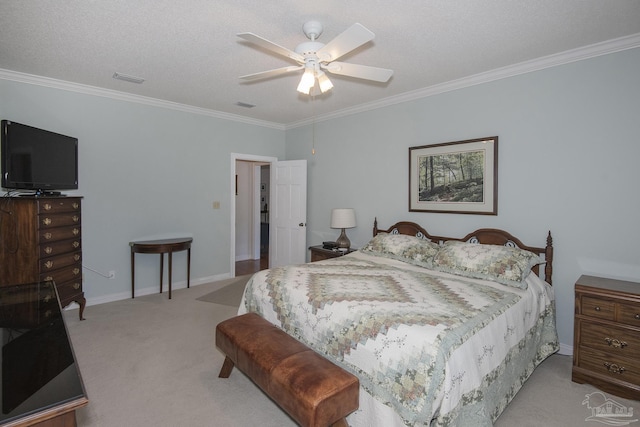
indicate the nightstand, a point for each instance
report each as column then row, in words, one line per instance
column 606, row 348
column 318, row 253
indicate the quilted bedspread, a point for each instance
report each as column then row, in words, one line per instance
column 435, row 348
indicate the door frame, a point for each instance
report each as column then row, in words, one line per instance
column 232, row 204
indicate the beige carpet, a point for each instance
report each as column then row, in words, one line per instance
column 230, row 294
column 152, row 362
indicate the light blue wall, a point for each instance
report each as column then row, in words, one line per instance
column 569, row 148
column 568, row 155
column 144, row 171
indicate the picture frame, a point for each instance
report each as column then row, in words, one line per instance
column 455, row 177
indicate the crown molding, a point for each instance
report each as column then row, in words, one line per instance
column 128, row 97
column 579, row 54
column 574, row 55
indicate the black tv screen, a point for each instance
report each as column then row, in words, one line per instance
column 36, row 159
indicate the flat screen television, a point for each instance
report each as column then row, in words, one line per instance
column 38, row 160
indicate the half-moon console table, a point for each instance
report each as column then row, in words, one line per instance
column 161, row 246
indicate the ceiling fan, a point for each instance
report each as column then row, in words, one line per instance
column 316, row 58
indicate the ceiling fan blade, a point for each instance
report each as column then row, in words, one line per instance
column 353, row 37
column 359, row 71
column 271, row 73
column 266, row 44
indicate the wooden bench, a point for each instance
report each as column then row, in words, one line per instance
column 311, row 389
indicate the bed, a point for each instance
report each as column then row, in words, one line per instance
column 440, row 331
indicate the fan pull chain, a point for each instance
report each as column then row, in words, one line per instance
column 313, row 138
column 313, row 126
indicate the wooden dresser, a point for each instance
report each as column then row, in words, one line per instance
column 606, row 351
column 41, row 240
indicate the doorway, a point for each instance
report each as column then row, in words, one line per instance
column 250, row 213
column 252, row 228
column 287, row 211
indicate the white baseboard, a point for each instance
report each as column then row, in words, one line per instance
column 149, row 290
column 566, row 349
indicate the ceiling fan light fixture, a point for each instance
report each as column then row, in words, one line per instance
column 307, row 81
column 314, row 57
column 324, row 82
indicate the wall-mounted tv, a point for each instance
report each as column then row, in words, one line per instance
column 36, row 159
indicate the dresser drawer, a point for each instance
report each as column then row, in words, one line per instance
column 613, row 366
column 60, row 233
column 60, row 261
column 68, row 290
column 59, row 205
column 58, row 220
column 60, row 247
column 619, row 341
column 629, row 314
column 598, row 308
column 65, row 274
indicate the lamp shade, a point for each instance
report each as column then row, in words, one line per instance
column 307, row 81
column 343, row 218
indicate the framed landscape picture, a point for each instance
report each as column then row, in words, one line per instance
column 455, row 177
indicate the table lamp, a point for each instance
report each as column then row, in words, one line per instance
column 343, row 218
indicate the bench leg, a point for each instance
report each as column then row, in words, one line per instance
column 227, row 367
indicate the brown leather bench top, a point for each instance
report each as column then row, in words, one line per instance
column 312, row 390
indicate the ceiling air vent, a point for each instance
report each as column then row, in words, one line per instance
column 127, row 78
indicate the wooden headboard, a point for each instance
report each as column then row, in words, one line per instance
column 486, row 236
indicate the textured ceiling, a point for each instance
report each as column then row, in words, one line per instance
column 189, row 53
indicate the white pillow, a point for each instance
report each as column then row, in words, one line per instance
column 502, row 264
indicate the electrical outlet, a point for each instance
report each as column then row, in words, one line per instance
column 112, row 274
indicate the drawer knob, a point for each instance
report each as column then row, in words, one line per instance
column 612, row 367
column 76, row 271
column 48, row 279
column 616, row 343
column 76, row 286
column 75, row 218
column 48, row 250
column 48, row 264
column 76, row 205
column 597, row 308
column 76, row 231
column 75, row 244
column 47, row 207
column 48, row 236
column 76, row 257
column 637, row 317
column 47, row 221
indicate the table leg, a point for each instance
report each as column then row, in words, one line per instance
column 170, row 272
column 188, row 267
column 133, row 275
column 161, row 270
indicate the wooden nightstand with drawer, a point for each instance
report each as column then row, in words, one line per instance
column 319, row 253
column 606, row 349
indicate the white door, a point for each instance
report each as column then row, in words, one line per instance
column 288, row 213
